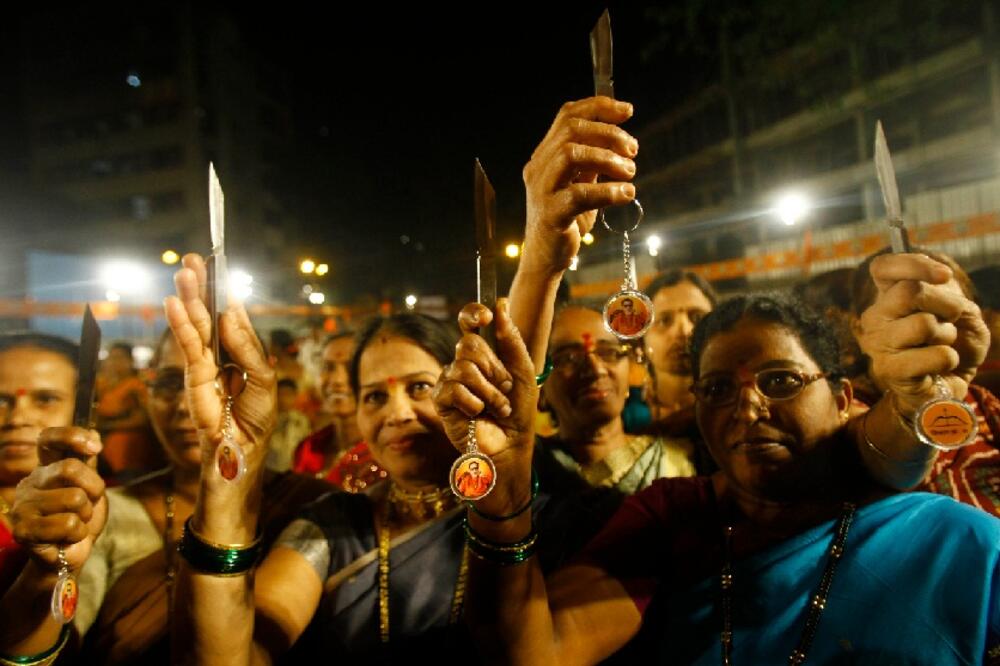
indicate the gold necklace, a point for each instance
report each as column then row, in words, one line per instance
column 4, row 506
column 457, row 599
column 417, row 504
column 169, row 548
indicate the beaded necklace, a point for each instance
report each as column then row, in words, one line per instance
column 816, row 605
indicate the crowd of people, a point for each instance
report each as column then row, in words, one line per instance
column 745, row 483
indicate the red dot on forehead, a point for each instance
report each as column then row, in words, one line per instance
column 588, row 341
column 390, row 381
column 21, row 391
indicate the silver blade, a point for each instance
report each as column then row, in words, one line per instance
column 486, row 246
column 217, row 272
column 90, row 347
column 890, row 192
column 601, row 56
column 216, row 212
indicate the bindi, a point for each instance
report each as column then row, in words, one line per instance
column 588, row 342
column 391, row 381
column 21, row 392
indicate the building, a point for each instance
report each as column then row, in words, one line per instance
column 803, row 120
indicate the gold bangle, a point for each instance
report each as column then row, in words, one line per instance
column 42, row 658
column 882, row 454
column 188, row 525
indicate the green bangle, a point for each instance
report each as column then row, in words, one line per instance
column 217, row 559
column 510, row 516
column 546, row 371
column 42, row 657
column 504, row 554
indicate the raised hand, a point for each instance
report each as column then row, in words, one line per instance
column 497, row 389
column 61, row 503
column 919, row 326
column 561, row 179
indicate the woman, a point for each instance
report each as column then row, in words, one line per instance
column 122, row 420
column 787, row 550
column 126, row 583
column 377, row 574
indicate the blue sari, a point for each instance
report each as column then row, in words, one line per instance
column 919, row 583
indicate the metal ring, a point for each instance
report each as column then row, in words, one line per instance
column 638, row 221
column 223, row 371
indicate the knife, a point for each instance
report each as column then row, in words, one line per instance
column 898, row 237
column 486, row 255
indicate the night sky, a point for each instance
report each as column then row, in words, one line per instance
column 392, row 106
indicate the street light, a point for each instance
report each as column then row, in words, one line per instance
column 513, row 250
column 307, row 266
column 410, row 301
column 322, row 269
column 653, row 244
column 574, row 263
column 317, row 298
column 792, row 207
column 169, row 257
column 587, row 238
column 125, row 277
column 240, row 284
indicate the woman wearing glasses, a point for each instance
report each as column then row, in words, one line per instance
column 789, row 553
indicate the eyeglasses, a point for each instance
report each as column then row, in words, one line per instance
column 575, row 356
column 166, row 386
column 774, row 384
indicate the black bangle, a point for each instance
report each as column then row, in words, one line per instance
column 546, row 371
column 504, row 554
column 510, row 516
column 217, row 559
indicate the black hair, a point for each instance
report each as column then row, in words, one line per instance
column 987, row 283
column 675, row 276
column 814, row 333
column 287, row 382
column 52, row 343
column 435, row 337
column 122, row 345
column 832, row 288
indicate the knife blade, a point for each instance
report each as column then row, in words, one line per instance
column 486, row 255
column 217, row 271
column 90, row 348
column 898, row 237
column 601, row 56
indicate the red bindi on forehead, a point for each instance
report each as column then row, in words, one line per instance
column 21, row 392
column 391, row 381
column 588, row 342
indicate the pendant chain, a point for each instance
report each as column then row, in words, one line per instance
column 816, row 605
column 628, row 283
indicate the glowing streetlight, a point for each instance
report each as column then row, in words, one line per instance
column 792, row 207
column 307, row 266
column 322, row 269
column 513, row 250
column 240, row 284
column 410, row 301
column 588, row 238
column 653, row 244
column 125, row 277
column 574, row 263
column 112, row 296
column 317, row 298
column 169, row 257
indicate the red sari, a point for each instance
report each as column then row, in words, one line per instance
column 12, row 558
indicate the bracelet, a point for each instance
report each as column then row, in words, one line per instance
column 510, row 516
column 217, row 559
column 42, row 658
column 546, row 371
column 504, row 554
column 882, row 454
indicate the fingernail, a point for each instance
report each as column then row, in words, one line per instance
column 507, row 386
column 505, row 411
column 93, row 446
column 629, row 166
column 633, row 148
column 628, row 190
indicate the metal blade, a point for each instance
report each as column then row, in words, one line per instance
column 216, row 211
column 486, row 247
column 601, row 56
column 90, row 347
column 216, row 269
column 890, row 192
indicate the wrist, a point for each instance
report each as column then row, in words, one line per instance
column 228, row 512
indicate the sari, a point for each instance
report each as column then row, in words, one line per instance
column 130, row 620
column 919, row 582
column 12, row 558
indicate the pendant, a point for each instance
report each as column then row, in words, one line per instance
column 229, row 457
column 628, row 314
column 473, row 474
column 944, row 422
column 65, row 594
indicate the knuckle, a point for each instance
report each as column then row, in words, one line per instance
column 76, row 499
column 72, row 523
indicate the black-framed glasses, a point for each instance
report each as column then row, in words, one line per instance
column 575, row 356
column 774, row 384
column 166, row 386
